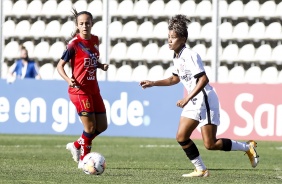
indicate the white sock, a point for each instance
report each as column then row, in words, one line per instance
column 239, row 146
column 199, row 164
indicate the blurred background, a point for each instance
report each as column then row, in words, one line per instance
column 249, row 49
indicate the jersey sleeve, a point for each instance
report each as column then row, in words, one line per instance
column 198, row 70
column 68, row 53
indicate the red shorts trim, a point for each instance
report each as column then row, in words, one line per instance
column 87, row 104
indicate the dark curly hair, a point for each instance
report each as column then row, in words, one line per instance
column 179, row 24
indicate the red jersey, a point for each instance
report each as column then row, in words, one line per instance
column 83, row 56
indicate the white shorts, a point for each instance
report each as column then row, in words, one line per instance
column 203, row 116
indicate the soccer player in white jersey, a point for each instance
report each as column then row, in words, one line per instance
column 200, row 106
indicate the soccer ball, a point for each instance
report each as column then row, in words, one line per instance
column 94, row 163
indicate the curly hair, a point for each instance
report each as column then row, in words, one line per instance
column 179, row 24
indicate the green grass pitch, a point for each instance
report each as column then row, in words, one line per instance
column 43, row 159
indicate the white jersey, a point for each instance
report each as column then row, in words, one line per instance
column 188, row 66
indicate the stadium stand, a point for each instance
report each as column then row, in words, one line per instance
column 250, row 32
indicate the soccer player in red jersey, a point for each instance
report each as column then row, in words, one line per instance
column 83, row 53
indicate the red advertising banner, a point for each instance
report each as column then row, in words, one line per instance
column 249, row 112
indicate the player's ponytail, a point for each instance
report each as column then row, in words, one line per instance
column 75, row 15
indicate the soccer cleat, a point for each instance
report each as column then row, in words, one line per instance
column 75, row 152
column 197, row 173
column 80, row 164
column 252, row 153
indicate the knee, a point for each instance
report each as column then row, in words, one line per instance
column 209, row 145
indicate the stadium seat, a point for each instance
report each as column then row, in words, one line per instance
column 22, row 29
column 11, row 50
column 141, row 8
column 115, row 29
column 168, row 72
column 56, row 50
column 235, row 9
column 206, row 31
column 98, row 29
column 278, row 11
column 203, row 9
column 188, row 8
column 113, row 7
column 64, row 8
column 124, row 73
column 53, row 29
column 246, row 53
column 155, row 73
column 270, row 75
column 111, row 73
column 267, row 9
column 125, row 8
column 129, row 30
column 4, row 70
column 67, row 29
column 46, row 71
column 150, row 52
column 236, row 75
column 201, row 50
column 134, row 51
column 230, row 53
column 95, row 7
column 253, row 75
column 19, row 8
column 273, row 31
column 210, row 53
column 263, row 53
column 194, row 30
column 118, row 52
column 8, row 4
column 251, row 9
column 279, row 79
column 223, row 7
column 101, row 75
column 172, row 8
column 223, row 73
column 37, row 29
column 41, row 50
column 225, row 30
column 165, row 54
column 145, row 30
column 81, row 5
column 139, row 73
column 276, row 54
column 49, row 8
column 9, row 28
column 156, row 9
column 29, row 45
column 161, row 30
column 34, row 8
column 257, row 31
column 240, row 31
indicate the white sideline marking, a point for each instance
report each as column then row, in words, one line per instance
column 159, row 146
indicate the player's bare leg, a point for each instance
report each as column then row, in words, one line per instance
column 224, row 144
column 185, row 129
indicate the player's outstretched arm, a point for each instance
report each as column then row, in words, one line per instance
column 165, row 82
